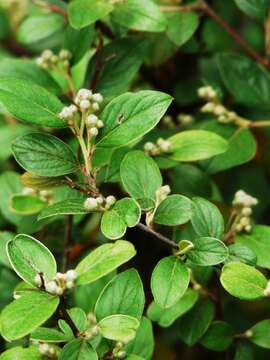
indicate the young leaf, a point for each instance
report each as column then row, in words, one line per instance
column 207, row 251
column 258, row 241
column 40, row 183
column 44, row 155
column 5, row 237
column 84, row 12
column 195, row 323
column 241, row 253
column 261, row 334
column 30, row 257
column 166, row 317
column 246, row 80
column 78, row 349
column 181, row 26
column 27, row 204
column 218, row 337
column 126, row 290
column 30, row 102
column 65, row 207
column 103, row 260
column 141, row 15
column 243, row 281
column 19, row 353
column 143, row 344
column 125, row 213
column 169, row 281
column 49, row 335
column 118, row 327
column 24, row 315
column 194, row 145
column 135, row 171
column 206, row 219
column 130, row 116
column 174, row 210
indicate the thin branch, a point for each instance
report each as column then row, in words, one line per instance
column 238, row 39
column 73, row 185
column 99, row 64
column 67, row 241
column 158, row 235
column 64, row 315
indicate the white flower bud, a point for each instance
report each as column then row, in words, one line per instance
column 91, row 120
column 149, row 146
column 110, row 200
column 59, row 291
column 100, row 124
column 84, row 94
column 209, row 107
column 91, row 317
column 65, row 54
column 93, row 131
column 246, row 211
column 85, row 104
column 47, row 54
column 95, row 106
column 165, row 189
column 91, row 204
column 121, row 354
column 60, row 276
column 219, row 110
column 38, row 280
column 100, row 200
column 69, row 284
column 44, row 348
column 248, row 228
column 51, row 287
column 71, row 275
column 97, row 98
column 95, row 330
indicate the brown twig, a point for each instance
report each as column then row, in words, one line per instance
column 238, row 39
column 158, row 235
column 99, row 64
column 64, row 315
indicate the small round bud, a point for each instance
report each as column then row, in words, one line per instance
column 165, row 189
column 51, row 287
column 47, row 54
column 91, row 120
column 100, row 124
column 65, row 54
column 91, row 317
column 110, row 200
column 91, row 204
column 121, row 354
column 93, row 131
column 95, row 330
column 248, row 334
column 100, row 200
column 95, row 106
column 71, row 275
column 97, row 98
column 69, row 284
column 246, row 211
column 248, row 228
column 85, row 104
column 84, row 94
column 44, row 348
column 38, row 280
column 59, row 291
column 60, row 276
column 149, row 146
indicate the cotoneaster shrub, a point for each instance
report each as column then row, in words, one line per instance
column 134, row 179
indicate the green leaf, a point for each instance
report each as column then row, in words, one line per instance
column 39, row 27
column 261, row 334
column 207, row 251
column 65, row 207
column 169, row 281
column 27, row 204
column 143, row 344
column 195, row 323
column 78, row 349
column 194, row 145
column 30, row 102
column 259, row 242
column 119, row 327
column 246, row 80
column 44, row 155
column 243, row 281
column 5, row 237
column 242, row 253
column 141, row 15
column 103, row 260
column 126, row 290
column 40, row 183
column 49, row 335
column 166, row 317
column 206, row 218
column 254, row 8
column 28, row 70
column 125, row 213
column 181, row 26
column 118, row 73
column 7, row 135
column 30, row 257
column 242, row 148
column 135, row 171
column 84, row 12
column 130, row 116
column 174, row 210
column 218, row 337
column 20, row 353
column 24, row 315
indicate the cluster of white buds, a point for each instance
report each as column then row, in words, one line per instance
column 87, row 101
column 162, row 193
column 48, row 59
column 118, row 350
column 267, row 289
column 162, row 146
column 207, row 93
column 185, row 119
column 243, row 203
column 93, row 123
column 168, row 121
column 28, row 191
column 99, row 203
column 47, row 350
column 93, row 329
column 60, row 283
column 68, row 114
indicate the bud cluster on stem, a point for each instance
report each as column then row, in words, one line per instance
column 59, row 284
column 99, row 203
column 160, row 147
column 243, row 204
